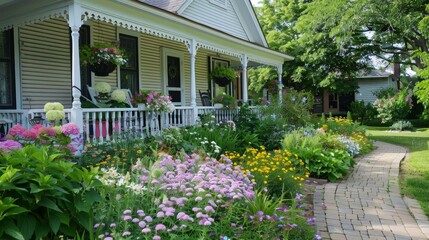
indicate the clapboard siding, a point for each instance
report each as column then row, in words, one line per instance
column 368, row 86
column 45, row 63
column 222, row 19
column 104, row 33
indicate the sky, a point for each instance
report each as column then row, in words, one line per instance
column 255, row 2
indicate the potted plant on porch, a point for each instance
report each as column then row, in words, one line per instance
column 222, row 76
column 102, row 58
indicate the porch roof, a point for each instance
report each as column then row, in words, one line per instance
column 134, row 15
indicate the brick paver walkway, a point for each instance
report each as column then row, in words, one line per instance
column 367, row 205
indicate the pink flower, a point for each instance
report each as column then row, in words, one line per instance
column 160, row 227
column 156, row 237
column 148, row 219
column 160, row 214
column 16, row 130
column 70, row 129
column 32, row 134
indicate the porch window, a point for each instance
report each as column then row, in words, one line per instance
column 333, row 101
column 129, row 72
column 7, row 72
column 85, row 72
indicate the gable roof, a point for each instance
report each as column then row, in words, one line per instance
column 168, row 5
column 375, row 74
column 245, row 24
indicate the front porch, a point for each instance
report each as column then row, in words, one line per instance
column 107, row 124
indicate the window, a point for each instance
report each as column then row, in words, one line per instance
column 7, row 71
column 85, row 73
column 130, row 71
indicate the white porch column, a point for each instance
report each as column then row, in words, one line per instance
column 279, row 82
column 244, row 61
column 192, row 48
column 75, row 22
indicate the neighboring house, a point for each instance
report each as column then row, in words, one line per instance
column 173, row 46
column 368, row 83
column 373, row 81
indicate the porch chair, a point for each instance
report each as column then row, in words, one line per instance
column 205, row 98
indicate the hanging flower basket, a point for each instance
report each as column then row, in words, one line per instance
column 222, row 76
column 222, row 81
column 102, row 58
column 102, row 69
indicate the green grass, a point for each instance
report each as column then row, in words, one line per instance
column 414, row 179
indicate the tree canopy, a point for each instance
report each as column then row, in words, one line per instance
column 332, row 40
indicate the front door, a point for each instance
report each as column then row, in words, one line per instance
column 173, row 76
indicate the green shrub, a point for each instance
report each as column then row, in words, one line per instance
column 43, row 197
column 362, row 112
column 402, row 125
column 326, row 164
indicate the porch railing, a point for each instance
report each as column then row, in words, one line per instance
column 109, row 124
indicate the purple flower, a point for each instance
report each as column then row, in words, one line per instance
column 209, row 209
column 160, row 214
column 148, row 219
column 126, row 233
column 8, row 145
column 126, row 217
column 146, row 230
column 142, row 224
column 156, row 237
column 127, row 211
column 160, row 227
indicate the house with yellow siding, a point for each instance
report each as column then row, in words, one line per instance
column 171, row 47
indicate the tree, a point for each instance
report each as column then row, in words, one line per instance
column 422, row 87
column 319, row 61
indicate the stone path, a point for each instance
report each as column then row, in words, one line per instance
column 367, row 205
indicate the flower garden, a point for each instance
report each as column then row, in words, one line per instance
column 242, row 179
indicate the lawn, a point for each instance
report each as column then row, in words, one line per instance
column 415, row 170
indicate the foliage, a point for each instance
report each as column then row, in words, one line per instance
column 43, row 196
column 279, row 172
column 154, row 101
column 394, row 108
column 263, row 77
column 319, row 62
column 325, row 155
column 102, row 53
column 223, row 72
column 226, row 100
column 402, row 125
column 421, row 91
column 215, row 138
column 119, row 153
column 362, row 112
column 385, row 92
column 294, row 109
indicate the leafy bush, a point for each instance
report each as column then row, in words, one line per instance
column 42, row 196
column 294, row 110
column 402, row 125
column 361, row 112
column 385, row 92
column 394, row 108
column 326, row 164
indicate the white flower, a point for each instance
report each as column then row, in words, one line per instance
column 102, row 87
column 118, row 95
